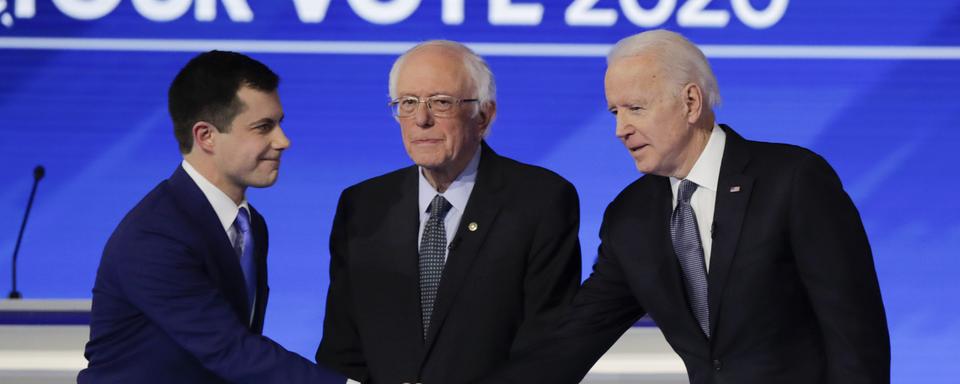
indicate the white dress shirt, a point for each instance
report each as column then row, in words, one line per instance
column 223, row 205
column 458, row 193
column 706, row 174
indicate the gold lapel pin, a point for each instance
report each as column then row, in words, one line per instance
column 735, row 188
column 472, row 226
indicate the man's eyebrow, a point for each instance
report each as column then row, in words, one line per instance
column 269, row 120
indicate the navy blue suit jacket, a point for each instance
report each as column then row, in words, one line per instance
column 169, row 303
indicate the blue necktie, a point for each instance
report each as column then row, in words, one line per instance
column 686, row 243
column 244, row 247
column 433, row 246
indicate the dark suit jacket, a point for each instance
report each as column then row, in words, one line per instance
column 793, row 294
column 503, row 286
column 169, row 303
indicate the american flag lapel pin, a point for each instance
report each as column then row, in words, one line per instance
column 735, row 189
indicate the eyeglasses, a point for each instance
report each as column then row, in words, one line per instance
column 438, row 105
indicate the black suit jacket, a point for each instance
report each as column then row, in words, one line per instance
column 793, row 293
column 503, row 286
column 170, row 305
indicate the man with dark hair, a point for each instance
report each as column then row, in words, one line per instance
column 207, row 90
column 181, row 290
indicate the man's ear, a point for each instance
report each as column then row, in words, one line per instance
column 693, row 102
column 487, row 112
column 204, row 136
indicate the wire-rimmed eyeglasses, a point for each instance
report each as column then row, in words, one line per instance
column 438, row 105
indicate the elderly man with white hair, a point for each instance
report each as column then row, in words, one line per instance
column 749, row 256
column 441, row 270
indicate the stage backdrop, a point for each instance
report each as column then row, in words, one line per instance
column 870, row 85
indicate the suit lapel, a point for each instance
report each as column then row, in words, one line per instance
column 402, row 225
column 669, row 272
column 260, row 239
column 195, row 205
column 733, row 195
column 654, row 218
column 481, row 210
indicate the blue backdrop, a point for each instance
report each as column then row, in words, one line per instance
column 869, row 85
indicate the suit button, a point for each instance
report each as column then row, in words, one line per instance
column 717, row 364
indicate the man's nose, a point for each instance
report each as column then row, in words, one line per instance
column 423, row 116
column 622, row 128
column 280, row 140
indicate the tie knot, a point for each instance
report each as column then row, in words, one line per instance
column 439, row 207
column 685, row 191
column 243, row 221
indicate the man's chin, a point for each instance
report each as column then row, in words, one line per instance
column 263, row 182
column 643, row 168
column 429, row 161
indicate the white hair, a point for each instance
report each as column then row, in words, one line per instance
column 476, row 67
column 682, row 61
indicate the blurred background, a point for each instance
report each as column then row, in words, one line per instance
column 870, row 85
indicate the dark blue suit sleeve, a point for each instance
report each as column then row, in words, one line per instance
column 163, row 277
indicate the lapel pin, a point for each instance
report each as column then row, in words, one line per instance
column 735, row 188
column 472, row 226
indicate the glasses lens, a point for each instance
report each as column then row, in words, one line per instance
column 407, row 106
column 442, row 105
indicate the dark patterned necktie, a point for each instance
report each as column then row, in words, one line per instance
column 686, row 243
column 244, row 247
column 433, row 246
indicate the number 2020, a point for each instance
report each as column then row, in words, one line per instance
column 692, row 13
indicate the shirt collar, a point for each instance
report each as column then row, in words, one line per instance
column 222, row 204
column 458, row 193
column 706, row 171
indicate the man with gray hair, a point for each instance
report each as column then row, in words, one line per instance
column 441, row 270
column 749, row 256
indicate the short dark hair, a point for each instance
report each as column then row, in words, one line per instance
column 206, row 90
